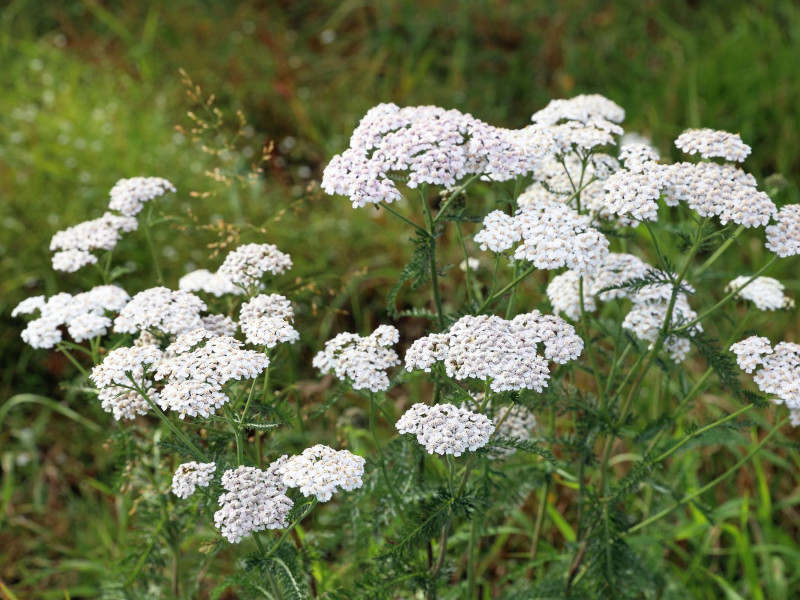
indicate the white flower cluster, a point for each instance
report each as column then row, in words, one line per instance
column 361, row 360
column 779, row 373
column 634, row 193
column 203, row 280
column 161, row 309
column 709, row 143
column 445, row 428
column 581, row 123
column 552, row 235
column 432, row 145
column 128, row 196
column 646, row 318
column 113, row 378
column 481, row 347
column 765, row 292
column 617, row 270
column 320, row 471
column 724, row 191
column 83, row 314
column 635, row 155
column 255, row 500
column 248, row 264
column 783, row 238
column 190, row 475
column 197, row 366
column 76, row 244
column 750, row 352
column 219, row 325
column 267, row 321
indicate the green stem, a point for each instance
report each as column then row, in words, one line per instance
column 726, row 298
column 452, row 196
column 468, row 270
column 494, row 296
column 437, row 299
column 590, row 347
column 713, row 258
column 374, row 431
column 151, row 246
column 473, row 541
column 537, row 528
column 689, row 497
column 291, row 527
column 405, row 219
column 72, row 359
column 178, row 433
column 510, row 307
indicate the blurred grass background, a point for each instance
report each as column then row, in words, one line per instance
column 92, row 93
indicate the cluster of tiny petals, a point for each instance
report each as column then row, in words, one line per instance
column 128, row 196
column 635, row 193
column 551, row 235
column 159, row 308
column 197, row 366
column 765, row 292
column 219, row 324
column 574, row 135
column 724, row 191
column 203, row 280
column 779, row 374
column 69, row 261
column 750, row 352
column 85, row 315
column 266, row 320
column 481, row 347
column 248, row 264
column 189, row 476
column 783, row 238
column 710, row 143
column 445, row 428
column 646, row 318
column 113, row 378
column 586, row 108
column 429, row 145
column 255, row 500
column 635, row 155
column 73, row 246
column 320, row 471
column 363, row 361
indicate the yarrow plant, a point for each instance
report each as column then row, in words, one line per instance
column 548, row 379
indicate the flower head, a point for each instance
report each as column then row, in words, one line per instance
column 320, row 471
column 445, row 428
column 783, row 238
column 248, row 264
column 204, row 280
column 128, row 196
column 765, row 292
column 361, row 360
column 267, row 321
column 161, row 309
column 190, row 475
column 710, row 143
column 255, row 500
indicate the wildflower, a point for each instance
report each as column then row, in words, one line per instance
column 204, row 280
column 77, row 242
column 724, row 191
column 219, row 325
column 84, row 315
column 128, row 196
column 783, row 238
column 255, row 500
column 362, row 360
column 119, row 371
column 780, row 369
column 552, row 235
column 586, row 108
column 190, row 475
column 481, row 347
column 432, row 146
column 635, row 155
column 445, row 428
column 197, row 366
column 248, row 264
column 320, row 471
column 635, row 193
column 161, row 309
column 267, row 321
column 750, row 352
column 709, row 143
column 765, row 292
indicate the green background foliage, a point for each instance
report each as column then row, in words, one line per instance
column 92, row 93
